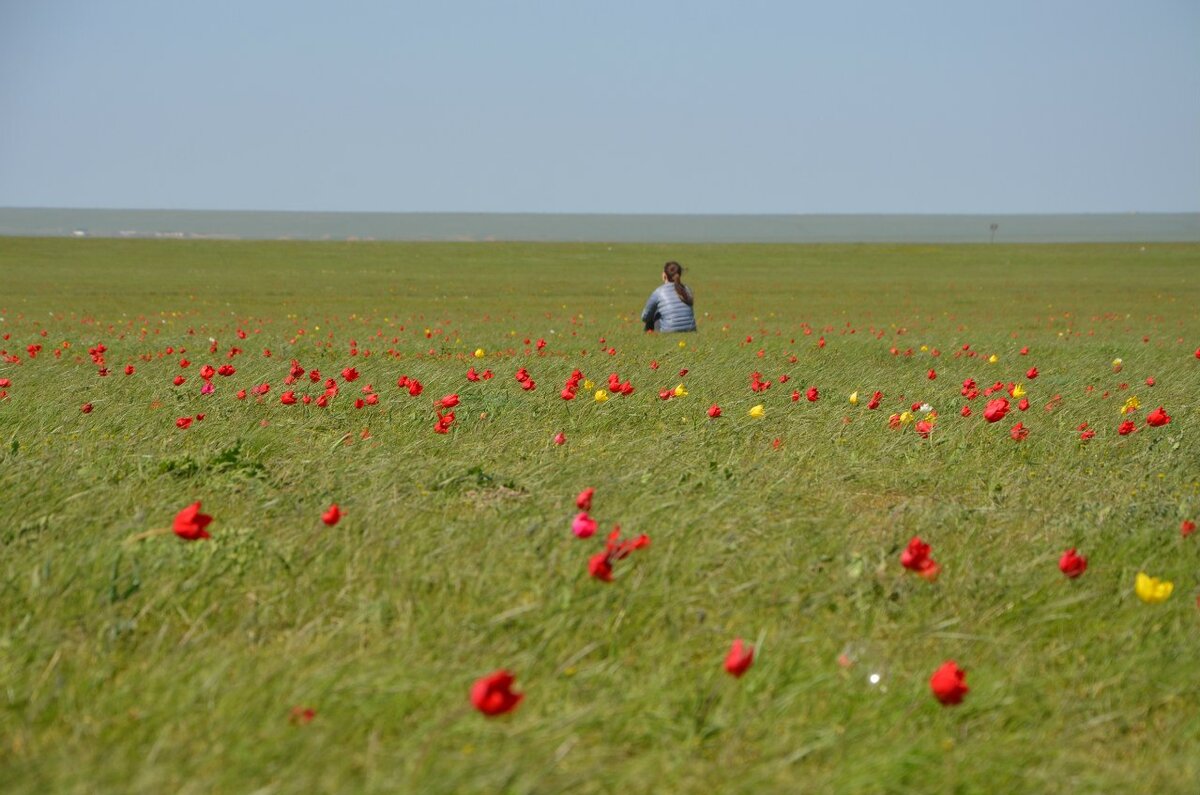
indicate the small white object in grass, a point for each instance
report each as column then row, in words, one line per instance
column 874, row 679
column 925, row 408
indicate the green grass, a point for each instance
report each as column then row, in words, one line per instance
column 148, row 664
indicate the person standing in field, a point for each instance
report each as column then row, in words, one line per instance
column 670, row 306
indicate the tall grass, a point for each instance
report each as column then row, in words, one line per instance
column 135, row 662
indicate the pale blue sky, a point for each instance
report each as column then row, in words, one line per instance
column 677, row 107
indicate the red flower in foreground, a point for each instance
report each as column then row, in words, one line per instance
column 86, row 408
column 949, row 683
column 714, row 411
column 600, row 564
column 583, row 525
column 1019, row 432
column 492, row 695
column 350, row 374
column 447, row 402
column 1127, row 427
column 995, row 410
column 183, row 423
column 1187, row 527
column 812, row 394
column 583, row 501
column 1157, row 417
column 739, row 659
column 560, row 438
column 1072, row 564
column 916, row 558
column 332, row 516
column 190, row 523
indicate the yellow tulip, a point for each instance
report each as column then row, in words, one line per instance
column 1019, row 391
column 601, row 396
column 993, row 359
column 758, row 411
column 906, row 417
column 1131, row 405
column 587, row 383
column 680, row 391
column 924, row 349
column 682, row 344
column 1152, row 590
column 479, row 354
column 853, row 398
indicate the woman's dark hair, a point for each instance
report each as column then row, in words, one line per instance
column 674, row 274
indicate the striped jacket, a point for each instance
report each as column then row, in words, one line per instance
column 668, row 311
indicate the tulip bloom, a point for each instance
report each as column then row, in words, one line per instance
column 995, row 410
column 1019, row 432
column 1186, row 528
column 560, row 438
column 812, row 394
column 949, row 683
column 1072, row 564
column 583, row 501
column 1127, row 427
column 447, row 402
column 739, row 659
column 601, row 396
column 583, row 526
column 190, row 523
column 714, row 411
column 853, row 398
column 757, row 412
column 1157, row 417
column 916, row 558
column 493, row 695
column 1152, row 590
column 332, row 516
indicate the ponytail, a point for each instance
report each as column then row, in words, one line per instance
column 674, row 273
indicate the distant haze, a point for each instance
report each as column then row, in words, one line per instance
column 1129, row 227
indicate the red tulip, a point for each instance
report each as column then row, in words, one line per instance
column 583, row 526
column 966, row 411
column 995, row 410
column 1031, row 373
column 1023, row 405
column 492, row 695
column 739, row 659
column 916, row 558
column 714, row 411
column 560, row 438
column 332, row 516
column 1187, row 527
column 447, row 402
column 350, row 374
column 86, row 408
column 931, row 375
column 190, row 523
column 949, row 683
column 1072, row 564
column 183, row 423
column 1019, row 432
column 129, row 369
column 812, row 394
column 1157, row 417
column 1127, row 427
column 583, row 501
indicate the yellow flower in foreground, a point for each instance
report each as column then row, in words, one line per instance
column 1131, row 405
column 587, row 383
column 853, row 398
column 1152, row 590
column 906, row 417
column 682, row 344
column 993, row 359
column 758, row 411
column 601, row 396
column 680, row 391
column 479, row 354
column 1019, row 391
column 924, row 349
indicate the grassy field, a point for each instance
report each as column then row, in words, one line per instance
column 134, row 661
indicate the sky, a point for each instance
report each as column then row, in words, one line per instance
column 1049, row 106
